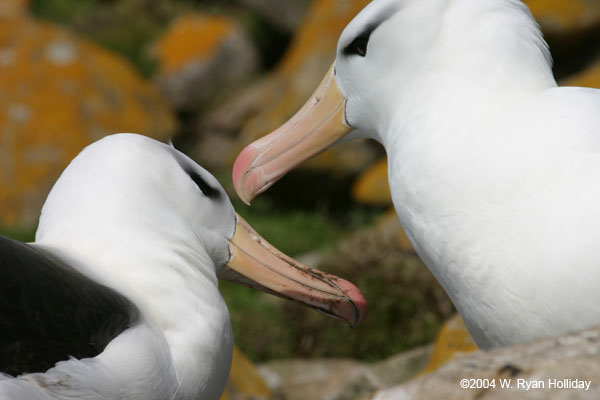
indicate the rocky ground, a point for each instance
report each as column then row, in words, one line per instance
column 557, row 368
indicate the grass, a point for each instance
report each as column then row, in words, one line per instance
column 295, row 231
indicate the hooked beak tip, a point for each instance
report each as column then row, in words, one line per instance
column 319, row 124
column 357, row 302
column 256, row 263
column 242, row 168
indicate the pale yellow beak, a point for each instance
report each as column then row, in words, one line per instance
column 257, row 264
column 318, row 125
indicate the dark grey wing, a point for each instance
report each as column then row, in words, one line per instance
column 50, row 312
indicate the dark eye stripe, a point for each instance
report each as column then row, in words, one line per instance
column 208, row 190
column 359, row 45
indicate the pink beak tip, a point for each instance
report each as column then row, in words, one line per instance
column 357, row 299
column 241, row 167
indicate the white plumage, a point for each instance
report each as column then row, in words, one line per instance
column 494, row 170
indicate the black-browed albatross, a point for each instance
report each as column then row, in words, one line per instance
column 118, row 297
column 494, row 170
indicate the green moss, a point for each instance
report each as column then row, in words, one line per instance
column 295, row 231
column 63, row 11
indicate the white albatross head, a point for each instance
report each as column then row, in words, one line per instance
column 392, row 60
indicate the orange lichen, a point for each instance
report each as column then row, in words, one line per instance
column 453, row 340
column 565, row 15
column 372, row 187
column 191, row 37
column 244, row 379
column 60, row 93
column 324, row 22
column 310, row 54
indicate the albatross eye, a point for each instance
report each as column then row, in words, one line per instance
column 358, row 46
column 208, row 190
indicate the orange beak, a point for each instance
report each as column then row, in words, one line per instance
column 318, row 125
column 257, row 264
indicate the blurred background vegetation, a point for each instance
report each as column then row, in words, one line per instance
column 130, row 27
column 214, row 75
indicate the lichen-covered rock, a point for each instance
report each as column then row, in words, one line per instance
column 528, row 371
column 453, row 340
column 314, row 379
column 201, row 55
column 559, row 17
column 60, row 93
column 341, row 379
column 372, row 187
column 245, row 382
